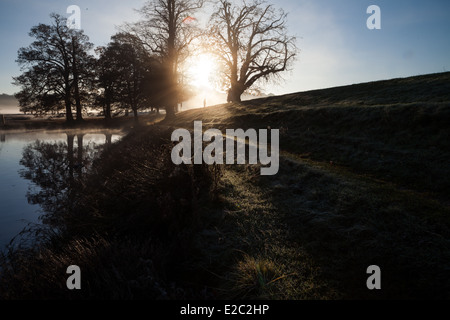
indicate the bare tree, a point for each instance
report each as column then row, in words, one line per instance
column 167, row 30
column 252, row 43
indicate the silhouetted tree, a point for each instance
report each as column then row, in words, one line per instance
column 252, row 42
column 36, row 96
column 129, row 76
column 82, row 68
column 58, row 67
column 167, row 30
column 108, row 81
column 132, row 66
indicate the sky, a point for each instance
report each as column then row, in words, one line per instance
column 335, row 46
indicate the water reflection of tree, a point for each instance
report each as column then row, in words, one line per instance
column 56, row 170
column 2, row 139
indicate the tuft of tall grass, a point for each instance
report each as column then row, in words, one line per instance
column 254, row 278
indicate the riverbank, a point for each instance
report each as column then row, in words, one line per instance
column 18, row 122
column 363, row 181
column 128, row 223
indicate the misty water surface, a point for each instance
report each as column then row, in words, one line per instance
column 35, row 168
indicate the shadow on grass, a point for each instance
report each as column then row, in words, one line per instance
column 128, row 224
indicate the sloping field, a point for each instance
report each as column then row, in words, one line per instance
column 363, row 180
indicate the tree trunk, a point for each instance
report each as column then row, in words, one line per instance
column 78, row 103
column 70, row 138
column 108, row 139
column 76, row 81
column 170, row 112
column 69, row 116
column 108, row 111
column 80, row 154
column 234, row 94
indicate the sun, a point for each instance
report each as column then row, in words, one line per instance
column 200, row 70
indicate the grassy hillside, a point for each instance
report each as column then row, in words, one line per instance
column 396, row 130
column 363, row 181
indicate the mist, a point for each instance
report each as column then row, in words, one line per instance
column 8, row 104
column 9, row 109
column 213, row 97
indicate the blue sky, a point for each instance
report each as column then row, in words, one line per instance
column 336, row 47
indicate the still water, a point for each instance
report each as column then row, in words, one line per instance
column 34, row 162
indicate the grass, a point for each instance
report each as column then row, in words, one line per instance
column 254, row 278
column 250, row 234
column 128, row 224
column 389, row 129
column 363, row 180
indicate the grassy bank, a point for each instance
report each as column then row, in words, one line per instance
column 363, row 180
column 128, row 225
column 395, row 130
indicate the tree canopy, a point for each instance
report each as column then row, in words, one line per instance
column 252, row 42
column 142, row 66
column 57, row 67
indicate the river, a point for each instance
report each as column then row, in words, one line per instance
column 34, row 169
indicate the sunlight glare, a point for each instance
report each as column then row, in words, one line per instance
column 200, row 70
